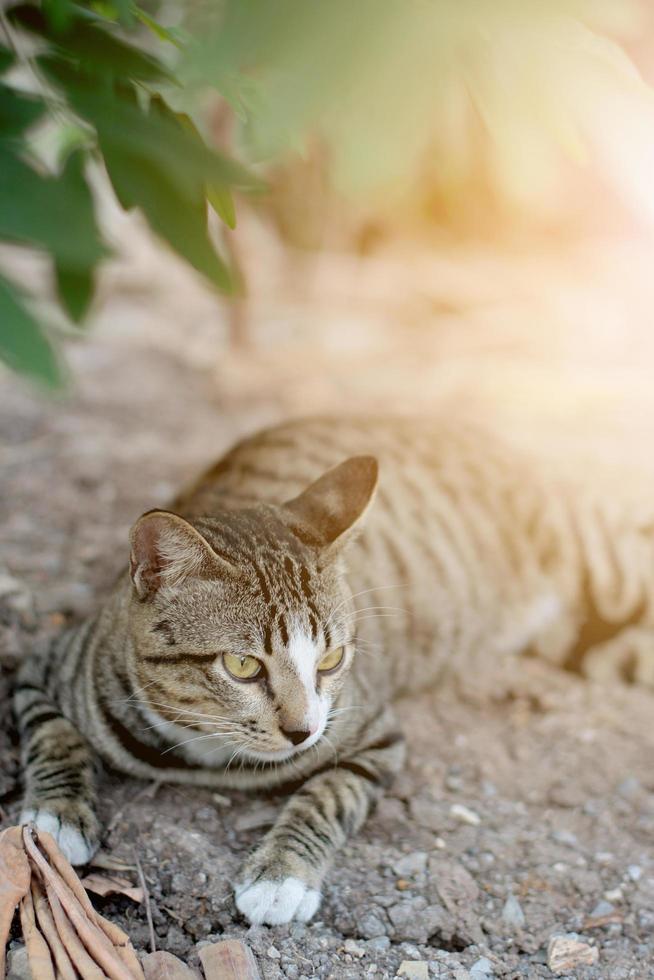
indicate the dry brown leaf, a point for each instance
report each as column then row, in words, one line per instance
column 112, row 885
column 65, row 968
column 14, row 883
column 110, row 863
column 78, row 910
column 229, row 959
column 123, row 946
column 87, row 968
column 65, row 937
column 165, row 966
column 65, row 870
column 119, row 939
column 38, row 952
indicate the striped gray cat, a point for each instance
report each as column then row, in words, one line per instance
column 258, row 640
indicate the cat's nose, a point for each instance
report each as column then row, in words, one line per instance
column 296, row 737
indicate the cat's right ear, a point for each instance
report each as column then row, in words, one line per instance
column 332, row 509
column 166, row 550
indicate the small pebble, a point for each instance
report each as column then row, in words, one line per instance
column 465, row 815
column 601, row 909
column 629, row 788
column 410, row 864
column 635, row 872
column 512, row 913
column 481, row 968
column 371, row 926
column 614, row 895
column 351, row 947
column 9, row 585
column 565, row 837
column 18, row 967
column 414, row 970
column 567, row 953
column 273, row 953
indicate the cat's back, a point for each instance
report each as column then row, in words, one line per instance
column 473, row 547
column 443, row 558
column 276, row 463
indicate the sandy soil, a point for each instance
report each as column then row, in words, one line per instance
column 516, row 821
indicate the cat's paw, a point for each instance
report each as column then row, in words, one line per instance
column 274, row 903
column 74, row 830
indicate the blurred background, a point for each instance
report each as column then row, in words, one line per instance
column 393, row 205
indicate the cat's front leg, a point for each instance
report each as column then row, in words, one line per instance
column 58, row 763
column 282, row 878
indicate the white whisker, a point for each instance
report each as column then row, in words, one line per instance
column 357, row 612
column 181, row 712
column 332, row 747
column 133, row 695
column 376, row 588
column 199, row 738
column 388, row 615
column 333, row 712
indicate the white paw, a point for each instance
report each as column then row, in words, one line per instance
column 71, row 841
column 277, row 902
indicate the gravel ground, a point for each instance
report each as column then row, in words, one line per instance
column 517, row 821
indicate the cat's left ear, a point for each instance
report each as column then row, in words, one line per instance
column 166, row 550
column 330, row 511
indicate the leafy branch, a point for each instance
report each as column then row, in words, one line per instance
column 68, row 64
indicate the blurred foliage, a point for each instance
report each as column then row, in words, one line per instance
column 70, row 66
column 398, row 95
column 405, row 95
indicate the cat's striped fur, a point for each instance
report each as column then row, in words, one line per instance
column 469, row 555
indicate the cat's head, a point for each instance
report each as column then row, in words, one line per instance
column 242, row 622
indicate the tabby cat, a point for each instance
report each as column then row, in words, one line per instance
column 258, row 640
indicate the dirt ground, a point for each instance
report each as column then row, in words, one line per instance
column 516, row 821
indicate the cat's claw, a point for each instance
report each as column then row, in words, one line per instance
column 71, row 840
column 276, row 902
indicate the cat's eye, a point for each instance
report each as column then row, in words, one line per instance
column 242, row 668
column 332, row 660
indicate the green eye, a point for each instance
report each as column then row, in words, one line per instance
column 242, row 668
column 332, row 660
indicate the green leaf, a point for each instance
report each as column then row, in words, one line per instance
column 55, row 213
column 157, row 136
column 18, row 111
column 59, row 13
column 90, row 44
column 163, row 33
column 6, row 58
column 218, row 195
column 180, row 222
column 125, row 11
column 75, row 289
column 121, row 10
column 222, row 202
column 23, row 345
